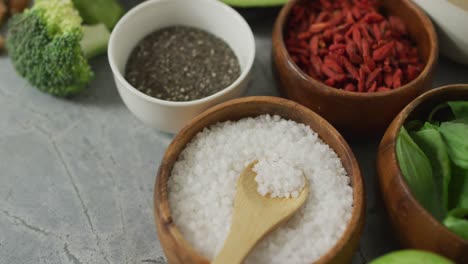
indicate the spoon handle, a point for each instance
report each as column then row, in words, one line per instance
column 254, row 216
column 241, row 239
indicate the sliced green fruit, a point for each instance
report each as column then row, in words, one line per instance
column 254, row 3
column 411, row 257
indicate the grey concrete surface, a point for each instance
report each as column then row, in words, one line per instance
column 77, row 175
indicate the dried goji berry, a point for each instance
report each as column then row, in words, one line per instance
column 365, row 48
column 304, row 35
column 412, row 72
column 350, row 68
column 388, row 79
column 295, row 59
column 303, row 60
column 316, row 63
column 376, row 32
column 303, row 44
column 383, row 52
column 365, row 33
column 357, row 37
column 397, row 25
column 312, row 18
column 361, row 80
column 327, row 34
column 338, row 77
column 383, row 89
column 313, row 45
column 299, row 51
column 373, row 17
column 338, row 47
column 350, row 87
column 356, row 13
column 352, row 50
column 318, row 27
column 351, row 45
column 366, row 69
column 323, row 16
column 338, row 38
column 373, row 77
column 311, row 72
column 332, row 64
column 373, row 87
column 330, row 82
column 369, row 62
column 397, row 78
column 349, row 17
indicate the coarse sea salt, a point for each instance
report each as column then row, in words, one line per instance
column 276, row 177
column 202, row 188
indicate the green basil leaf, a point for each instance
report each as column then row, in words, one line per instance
column 455, row 135
column 461, row 120
column 431, row 143
column 433, row 125
column 417, row 172
column 459, row 109
column 458, row 188
column 441, row 112
column 457, row 222
column 414, row 125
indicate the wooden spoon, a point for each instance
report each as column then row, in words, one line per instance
column 254, row 217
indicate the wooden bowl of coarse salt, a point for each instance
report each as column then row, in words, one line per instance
column 195, row 185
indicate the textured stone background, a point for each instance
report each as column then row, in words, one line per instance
column 76, row 176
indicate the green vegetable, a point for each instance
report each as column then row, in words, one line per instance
column 455, row 135
column 417, row 171
column 457, row 221
column 431, row 143
column 458, row 197
column 459, row 109
column 443, row 143
column 252, row 3
column 411, row 257
column 50, row 48
column 93, row 12
column 449, row 111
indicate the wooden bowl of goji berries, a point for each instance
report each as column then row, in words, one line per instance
column 357, row 63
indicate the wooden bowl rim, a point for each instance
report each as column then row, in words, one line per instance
column 355, row 223
column 401, row 182
column 428, row 68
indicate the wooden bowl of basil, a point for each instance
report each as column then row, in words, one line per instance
column 422, row 165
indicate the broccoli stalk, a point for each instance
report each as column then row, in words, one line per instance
column 50, row 48
column 107, row 12
column 95, row 39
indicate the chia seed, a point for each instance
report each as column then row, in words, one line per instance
column 180, row 63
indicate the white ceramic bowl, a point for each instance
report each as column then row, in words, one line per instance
column 209, row 15
column 451, row 20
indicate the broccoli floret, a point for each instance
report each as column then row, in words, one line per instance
column 50, row 48
column 107, row 12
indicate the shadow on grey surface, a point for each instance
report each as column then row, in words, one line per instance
column 378, row 237
column 102, row 91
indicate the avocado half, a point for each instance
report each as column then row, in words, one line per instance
column 254, row 3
